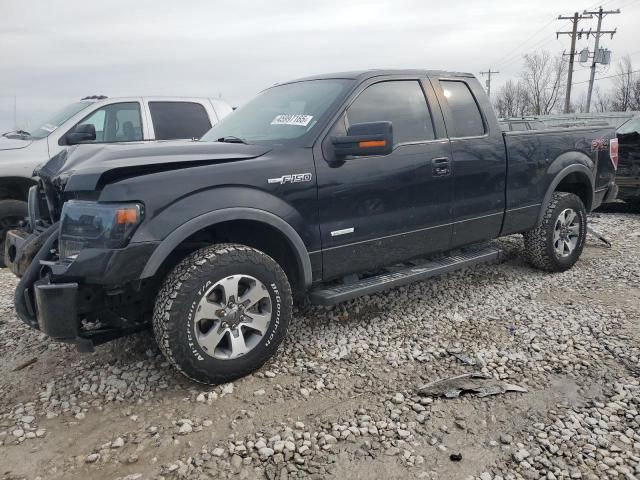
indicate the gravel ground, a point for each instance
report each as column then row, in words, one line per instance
column 341, row 399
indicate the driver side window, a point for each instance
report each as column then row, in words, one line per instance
column 401, row 102
column 97, row 119
column 118, row 122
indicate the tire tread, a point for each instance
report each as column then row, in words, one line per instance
column 171, row 294
column 536, row 240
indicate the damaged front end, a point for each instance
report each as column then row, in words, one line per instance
column 69, row 295
column 45, row 202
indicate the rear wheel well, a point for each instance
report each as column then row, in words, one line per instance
column 578, row 184
column 256, row 234
column 15, row 188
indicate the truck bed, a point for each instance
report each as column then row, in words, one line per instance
column 534, row 159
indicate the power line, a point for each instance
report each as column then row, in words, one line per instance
column 511, row 52
column 608, row 76
column 626, row 4
column 518, row 57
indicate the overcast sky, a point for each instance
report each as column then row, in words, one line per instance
column 54, row 52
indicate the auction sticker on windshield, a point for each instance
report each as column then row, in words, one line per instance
column 292, row 119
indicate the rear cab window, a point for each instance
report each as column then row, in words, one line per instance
column 174, row 120
column 465, row 112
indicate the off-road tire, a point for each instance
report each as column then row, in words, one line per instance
column 183, row 288
column 538, row 243
column 10, row 211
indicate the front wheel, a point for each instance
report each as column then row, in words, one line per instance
column 222, row 313
column 557, row 243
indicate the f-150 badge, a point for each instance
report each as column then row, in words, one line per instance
column 292, row 178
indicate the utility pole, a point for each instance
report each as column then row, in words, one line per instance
column 574, row 33
column 489, row 73
column 597, row 34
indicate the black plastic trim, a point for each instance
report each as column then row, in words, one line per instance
column 194, row 225
column 556, row 181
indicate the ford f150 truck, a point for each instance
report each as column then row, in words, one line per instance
column 94, row 119
column 324, row 189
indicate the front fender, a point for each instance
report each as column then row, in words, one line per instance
column 192, row 226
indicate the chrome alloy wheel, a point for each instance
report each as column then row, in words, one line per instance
column 566, row 233
column 232, row 317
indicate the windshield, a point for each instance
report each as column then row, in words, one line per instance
column 630, row 126
column 46, row 128
column 281, row 113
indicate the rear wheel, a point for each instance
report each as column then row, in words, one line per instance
column 12, row 212
column 222, row 313
column 557, row 243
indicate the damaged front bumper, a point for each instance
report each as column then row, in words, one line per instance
column 89, row 300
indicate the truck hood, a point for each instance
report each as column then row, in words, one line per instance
column 89, row 167
column 13, row 143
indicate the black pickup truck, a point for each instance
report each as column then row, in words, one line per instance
column 323, row 188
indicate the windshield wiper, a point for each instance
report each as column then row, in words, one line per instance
column 232, row 139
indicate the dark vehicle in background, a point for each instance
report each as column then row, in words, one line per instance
column 324, row 188
column 628, row 175
column 519, row 124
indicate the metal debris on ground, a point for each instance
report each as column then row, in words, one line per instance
column 463, row 357
column 480, row 384
column 24, row 365
column 599, row 236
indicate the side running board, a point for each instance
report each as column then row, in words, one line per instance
column 332, row 295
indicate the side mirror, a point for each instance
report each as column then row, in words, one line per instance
column 85, row 132
column 362, row 139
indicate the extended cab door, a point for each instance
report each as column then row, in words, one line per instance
column 377, row 210
column 478, row 159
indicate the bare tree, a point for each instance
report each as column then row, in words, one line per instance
column 635, row 94
column 542, row 77
column 512, row 100
column 602, row 100
column 623, row 90
column 579, row 105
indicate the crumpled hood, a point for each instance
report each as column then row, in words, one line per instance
column 13, row 143
column 87, row 167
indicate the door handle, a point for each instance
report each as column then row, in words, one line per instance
column 440, row 167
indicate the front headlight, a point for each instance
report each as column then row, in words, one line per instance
column 96, row 225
